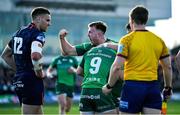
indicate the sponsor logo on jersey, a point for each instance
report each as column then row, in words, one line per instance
column 124, row 104
column 41, row 38
column 59, row 62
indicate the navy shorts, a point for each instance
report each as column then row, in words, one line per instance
column 29, row 88
column 139, row 94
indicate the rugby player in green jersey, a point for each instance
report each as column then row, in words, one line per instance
column 95, row 67
column 96, row 34
column 66, row 69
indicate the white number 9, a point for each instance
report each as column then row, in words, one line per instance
column 95, row 64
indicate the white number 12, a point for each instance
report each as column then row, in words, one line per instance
column 17, row 45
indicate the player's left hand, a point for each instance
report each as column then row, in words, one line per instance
column 40, row 73
column 167, row 92
column 105, row 90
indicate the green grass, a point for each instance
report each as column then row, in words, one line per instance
column 48, row 109
column 173, row 108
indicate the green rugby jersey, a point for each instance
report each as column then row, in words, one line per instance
column 62, row 63
column 96, row 64
column 81, row 49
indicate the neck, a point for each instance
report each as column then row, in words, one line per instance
column 138, row 27
column 102, row 39
column 36, row 25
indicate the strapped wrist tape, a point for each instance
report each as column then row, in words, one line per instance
column 37, row 64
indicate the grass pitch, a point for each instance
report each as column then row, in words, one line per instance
column 173, row 108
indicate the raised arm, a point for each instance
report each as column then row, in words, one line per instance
column 65, row 47
column 8, row 57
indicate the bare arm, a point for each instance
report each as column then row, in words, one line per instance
column 65, row 47
column 167, row 71
column 8, row 57
column 178, row 61
column 167, row 74
column 80, row 71
column 116, row 71
column 36, row 57
column 49, row 72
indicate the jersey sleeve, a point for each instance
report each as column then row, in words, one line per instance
column 81, row 49
column 82, row 62
column 165, row 51
column 40, row 38
column 123, row 47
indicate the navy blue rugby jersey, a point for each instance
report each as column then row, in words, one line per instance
column 21, row 46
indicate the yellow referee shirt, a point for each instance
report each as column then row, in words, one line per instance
column 142, row 50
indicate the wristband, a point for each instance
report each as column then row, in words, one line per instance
column 169, row 88
column 108, row 86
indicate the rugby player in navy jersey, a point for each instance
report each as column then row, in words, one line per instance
column 24, row 54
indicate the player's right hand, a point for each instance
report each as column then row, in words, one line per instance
column 71, row 70
column 63, row 33
column 49, row 75
column 40, row 73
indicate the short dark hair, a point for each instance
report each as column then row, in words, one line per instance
column 99, row 25
column 38, row 11
column 139, row 14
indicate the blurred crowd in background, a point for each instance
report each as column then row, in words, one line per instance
column 6, row 75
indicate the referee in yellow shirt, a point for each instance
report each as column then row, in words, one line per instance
column 138, row 55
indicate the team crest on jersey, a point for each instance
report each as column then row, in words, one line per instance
column 120, row 48
column 41, row 38
column 70, row 60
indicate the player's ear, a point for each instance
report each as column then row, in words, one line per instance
column 38, row 19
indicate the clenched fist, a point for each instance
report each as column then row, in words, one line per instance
column 63, row 33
